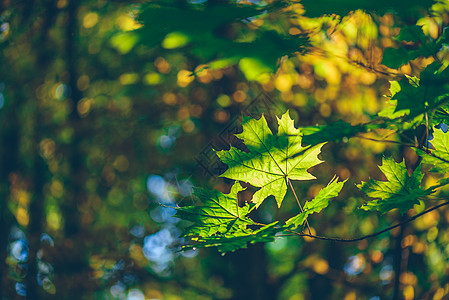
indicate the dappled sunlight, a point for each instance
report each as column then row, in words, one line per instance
column 158, row 249
column 162, row 247
column 354, row 265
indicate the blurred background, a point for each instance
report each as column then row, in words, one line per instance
column 110, row 108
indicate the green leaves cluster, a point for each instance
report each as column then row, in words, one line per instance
column 220, row 213
column 427, row 94
column 271, row 163
column 273, row 160
column 221, row 222
column 438, row 157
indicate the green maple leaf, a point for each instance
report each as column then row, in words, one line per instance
column 441, row 115
column 417, row 95
column 272, row 160
column 238, row 239
column 410, row 96
column 220, row 213
column 439, row 157
column 221, row 223
column 318, row 203
column 401, row 191
column 391, row 111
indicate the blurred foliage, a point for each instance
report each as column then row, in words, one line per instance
column 344, row 7
column 110, row 108
column 221, row 33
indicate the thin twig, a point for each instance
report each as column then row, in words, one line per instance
column 427, row 131
column 383, row 141
column 299, row 203
column 369, row 235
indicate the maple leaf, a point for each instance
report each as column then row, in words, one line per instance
column 409, row 96
column 271, row 160
column 318, row 203
column 238, row 239
column 401, row 191
column 391, row 111
column 439, row 157
column 417, row 95
column 220, row 213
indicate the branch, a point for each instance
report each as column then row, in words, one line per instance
column 369, row 235
column 383, row 141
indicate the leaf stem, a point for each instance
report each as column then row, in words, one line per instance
column 427, row 132
column 369, row 235
column 299, row 203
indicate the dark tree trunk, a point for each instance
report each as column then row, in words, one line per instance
column 72, row 266
column 8, row 165
column 399, row 260
column 39, row 171
column 249, row 269
column 36, row 212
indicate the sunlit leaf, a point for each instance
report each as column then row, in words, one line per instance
column 439, row 157
column 318, row 203
column 220, row 222
column 239, row 239
column 272, row 160
column 220, row 213
column 400, row 191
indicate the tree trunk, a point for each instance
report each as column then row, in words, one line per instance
column 72, row 266
column 9, row 164
column 250, row 274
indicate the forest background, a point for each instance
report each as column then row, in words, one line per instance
column 109, row 112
